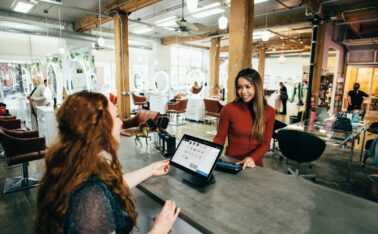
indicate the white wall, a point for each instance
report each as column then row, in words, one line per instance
column 16, row 47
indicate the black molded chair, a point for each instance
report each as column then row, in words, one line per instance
column 277, row 125
column 300, row 147
column 373, row 128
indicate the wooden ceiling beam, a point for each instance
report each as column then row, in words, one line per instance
column 278, row 20
column 92, row 21
column 358, row 17
column 180, row 40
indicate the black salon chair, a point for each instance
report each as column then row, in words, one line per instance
column 277, row 125
column 373, row 129
column 300, row 147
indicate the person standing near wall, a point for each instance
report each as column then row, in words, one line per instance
column 36, row 98
column 283, row 98
column 355, row 98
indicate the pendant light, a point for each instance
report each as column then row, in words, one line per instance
column 223, row 21
column 192, row 5
column 100, row 40
column 266, row 34
column 282, row 58
column 61, row 49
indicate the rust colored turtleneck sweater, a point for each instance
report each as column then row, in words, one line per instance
column 235, row 122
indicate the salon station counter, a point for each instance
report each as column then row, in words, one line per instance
column 259, row 200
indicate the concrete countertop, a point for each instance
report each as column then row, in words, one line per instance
column 259, row 200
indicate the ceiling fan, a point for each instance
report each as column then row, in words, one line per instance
column 187, row 27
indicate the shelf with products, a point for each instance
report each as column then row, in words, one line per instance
column 339, row 92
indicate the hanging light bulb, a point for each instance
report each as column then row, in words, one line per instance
column 265, row 35
column 61, row 50
column 192, row 5
column 101, row 41
column 281, row 59
column 222, row 22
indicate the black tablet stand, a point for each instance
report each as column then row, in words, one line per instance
column 197, row 181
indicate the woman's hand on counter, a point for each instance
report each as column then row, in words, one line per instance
column 247, row 162
column 160, row 168
column 167, row 217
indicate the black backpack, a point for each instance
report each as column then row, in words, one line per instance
column 343, row 124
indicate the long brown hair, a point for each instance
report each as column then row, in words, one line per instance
column 85, row 126
column 258, row 102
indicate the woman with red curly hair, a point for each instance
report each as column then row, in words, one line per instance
column 83, row 189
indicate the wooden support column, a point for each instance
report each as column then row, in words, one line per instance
column 122, row 63
column 240, row 44
column 319, row 57
column 261, row 68
column 214, row 66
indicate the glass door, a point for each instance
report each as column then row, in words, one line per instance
column 368, row 79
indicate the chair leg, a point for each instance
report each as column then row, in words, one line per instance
column 20, row 183
column 214, row 132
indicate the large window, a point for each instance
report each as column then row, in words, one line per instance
column 184, row 60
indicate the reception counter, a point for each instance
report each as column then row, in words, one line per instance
column 259, row 200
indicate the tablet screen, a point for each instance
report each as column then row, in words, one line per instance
column 196, row 155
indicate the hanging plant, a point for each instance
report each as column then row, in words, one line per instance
column 74, row 56
column 37, row 66
column 93, row 61
column 86, row 56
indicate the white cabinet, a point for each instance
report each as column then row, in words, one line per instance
column 24, row 112
column 47, row 125
column 195, row 109
column 158, row 102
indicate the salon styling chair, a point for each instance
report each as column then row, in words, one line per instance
column 21, row 147
column 301, row 147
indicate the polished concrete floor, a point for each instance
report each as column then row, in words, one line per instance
column 17, row 210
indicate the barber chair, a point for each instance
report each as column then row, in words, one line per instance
column 134, row 126
column 177, row 108
column 301, row 147
column 5, row 117
column 10, row 123
column 213, row 109
column 139, row 100
column 21, row 148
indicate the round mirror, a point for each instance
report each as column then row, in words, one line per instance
column 162, row 81
column 137, row 82
column 196, row 80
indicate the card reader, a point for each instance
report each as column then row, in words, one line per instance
column 228, row 167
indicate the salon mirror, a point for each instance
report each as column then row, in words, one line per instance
column 196, row 80
column 137, row 82
column 162, row 81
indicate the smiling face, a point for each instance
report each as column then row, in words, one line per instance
column 245, row 89
column 117, row 123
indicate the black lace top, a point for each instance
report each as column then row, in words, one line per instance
column 94, row 208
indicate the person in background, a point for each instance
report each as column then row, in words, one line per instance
column 36, row 98
column 283, row 97
column 83, row 189
column 355, row 98
column 247, row 121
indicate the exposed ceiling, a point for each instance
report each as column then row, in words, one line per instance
column 285, row 19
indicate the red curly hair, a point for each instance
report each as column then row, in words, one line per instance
column 85, row 126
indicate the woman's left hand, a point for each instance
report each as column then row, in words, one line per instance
column 160, row 168
column 247, row 162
